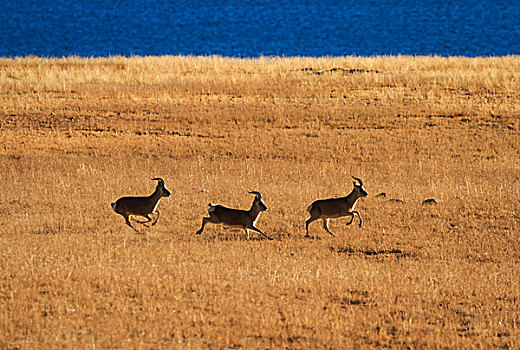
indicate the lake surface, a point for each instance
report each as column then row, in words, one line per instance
column 256, row 28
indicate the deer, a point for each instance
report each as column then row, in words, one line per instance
column 142, row 206
column 236, row 218
column 336, row 207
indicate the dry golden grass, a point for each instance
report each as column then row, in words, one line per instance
column 76, row 134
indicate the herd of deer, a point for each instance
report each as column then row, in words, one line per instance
column 324, row 209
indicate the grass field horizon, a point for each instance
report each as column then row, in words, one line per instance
column 78, row 133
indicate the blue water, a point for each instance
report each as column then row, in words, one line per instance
column 255, row 28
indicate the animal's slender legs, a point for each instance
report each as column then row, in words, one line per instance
column 326, row 227
column 205, row 220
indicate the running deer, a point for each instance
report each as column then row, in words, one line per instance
column 336, row 207
column 236, row 218
column 142, row 206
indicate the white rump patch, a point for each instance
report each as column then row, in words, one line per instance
column 113, row 205
column 211, row 208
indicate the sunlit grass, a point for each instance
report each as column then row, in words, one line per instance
column 76, row 134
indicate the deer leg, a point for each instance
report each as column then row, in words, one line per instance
column 359, row 216
column 205, row 220
column 307, row 223
column 326, row 227
column 157, row 217
column 351, row 218
column 148, row 219
column 259, row 231
column 127, row 219
column 246, row 232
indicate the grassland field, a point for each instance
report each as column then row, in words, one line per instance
column 78, row 133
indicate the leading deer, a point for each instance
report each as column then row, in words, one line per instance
column 336, row 207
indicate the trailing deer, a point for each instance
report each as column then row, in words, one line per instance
column 336, row 207
column 142, row 206
column 236, row 218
